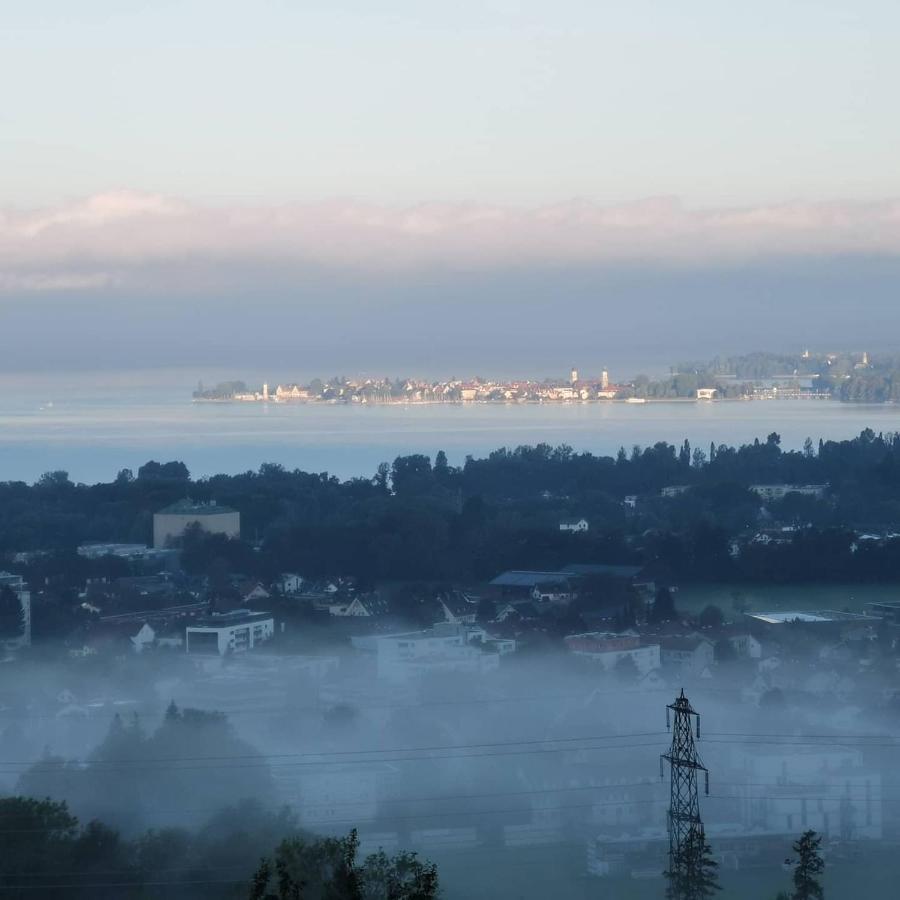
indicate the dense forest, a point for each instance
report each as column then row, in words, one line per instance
column 418, row 519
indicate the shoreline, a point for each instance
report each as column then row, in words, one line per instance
column 635, row 401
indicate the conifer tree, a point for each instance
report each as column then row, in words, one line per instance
column 694, row 873
column 809, row 866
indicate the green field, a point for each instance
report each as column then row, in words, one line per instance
column 761, row 598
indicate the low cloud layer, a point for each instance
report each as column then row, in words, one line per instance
column 139, row 241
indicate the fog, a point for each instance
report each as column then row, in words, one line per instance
column 505, row 321
column 520, row 778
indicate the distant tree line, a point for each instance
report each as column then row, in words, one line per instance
column 421, row 520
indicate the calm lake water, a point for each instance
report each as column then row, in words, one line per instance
column 94, row 427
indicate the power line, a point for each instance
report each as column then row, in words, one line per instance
column 379, row 756
column 420, row 749
column 319, row 764
column 325, row 704
column 261, row 760
column 416, row 817
column 532, row 809
column 542, row 791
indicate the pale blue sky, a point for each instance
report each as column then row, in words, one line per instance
column 714, row 101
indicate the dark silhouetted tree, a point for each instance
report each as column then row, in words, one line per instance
column 711, row 617
column 694, row 873
column 808, row 868
column 663, row 609
column 12, row 623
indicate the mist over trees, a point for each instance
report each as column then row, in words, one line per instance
column 46, row 851
column 134, row 775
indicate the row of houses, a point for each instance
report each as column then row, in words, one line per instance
column 692, row 654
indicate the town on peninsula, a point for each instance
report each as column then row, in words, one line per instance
column 847, row 376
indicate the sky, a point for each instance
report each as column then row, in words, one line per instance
column 376, row 176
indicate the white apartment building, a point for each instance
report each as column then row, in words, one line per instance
column 608, row 649
column 232, row 632
column 443, row 648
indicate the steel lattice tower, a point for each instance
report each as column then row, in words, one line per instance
column 684, row 765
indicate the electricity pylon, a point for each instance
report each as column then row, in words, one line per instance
column 684, row 766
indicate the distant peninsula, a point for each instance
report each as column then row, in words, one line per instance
column 845, row 376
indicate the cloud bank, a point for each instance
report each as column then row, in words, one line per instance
column 144, row 241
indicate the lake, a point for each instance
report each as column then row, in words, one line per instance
column 93, row 427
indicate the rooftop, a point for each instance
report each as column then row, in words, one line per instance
column 807, row 616
column 615, row 571
column 230, row 619
column 519, row 578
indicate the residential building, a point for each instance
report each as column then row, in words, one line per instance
column 608, row 649
column 770, row 492
column 693, row 653
column 745, row 645
column 459, row 608
column 364, row 605
column 170, row 523
column 289, row 583
column 251, row 591
column 231, row 632
column 558, row 593
column 444, row 648
column 291, row 392
column 574, row 525
column 117, row 638
column 131, row 552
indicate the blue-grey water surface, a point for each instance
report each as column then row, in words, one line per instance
column 94, row 426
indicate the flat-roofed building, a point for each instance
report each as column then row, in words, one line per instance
column 835, row 623
column 231, row 632
column 170, row 523
column 443, row 648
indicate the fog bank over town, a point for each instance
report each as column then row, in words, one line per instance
column 473, row 663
